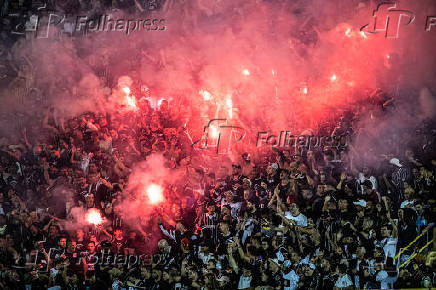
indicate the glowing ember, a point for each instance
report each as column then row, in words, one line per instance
column 363, row 35
column 126, row 90
column 246, row 72
column 131, row 101
column 206, row 95
column 333, row 78
column 273, row 72
column 388, row 56
column 348, row 33
column 305, row 90
column 93, row 216
column 230, row 105
column 213, row 132
column 155, row 193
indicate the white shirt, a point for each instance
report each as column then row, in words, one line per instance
column 386, row 281
column 205, row 258
column 362, row 178
column 344, row 281
column 244, row 282
column 389, row 246
column 406, row 203
column 291, row 282
column 300, row 220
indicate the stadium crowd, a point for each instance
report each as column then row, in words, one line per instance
column 280, row 218
column 309, row 219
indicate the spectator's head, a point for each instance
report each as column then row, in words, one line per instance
column 80, row 234
column 163, row 246
column 409, row 193
column 295, row 211
column 180, row 227
column 419, row 208
column 91, row 247
column 62, row 242
column 89, row 200
column 415, row 173
column 386, row 230
column 246, row 183
column 360, row 253
column 93, row 177
column 145, row 272
column 273, row 265
column 246, row 271
column 343, row 204
column 53, row 231
column 367, row 186
column 236, row 169
column 272, row 169
column 224, row 227
column 93, row 238
column 211, row 208
column 342, row 269
column 156, row 274
column 71, row 246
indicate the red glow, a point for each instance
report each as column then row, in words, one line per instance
column 155, row 193
column 93, row 217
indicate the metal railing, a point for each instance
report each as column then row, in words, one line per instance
column 413, row 256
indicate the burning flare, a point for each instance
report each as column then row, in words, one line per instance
column 155, row 193
column 206, row 95
column 213, row 132
column 126, row 90
column 93, row 217
column 229, row 104
column 333, row 78
column 130, row 100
